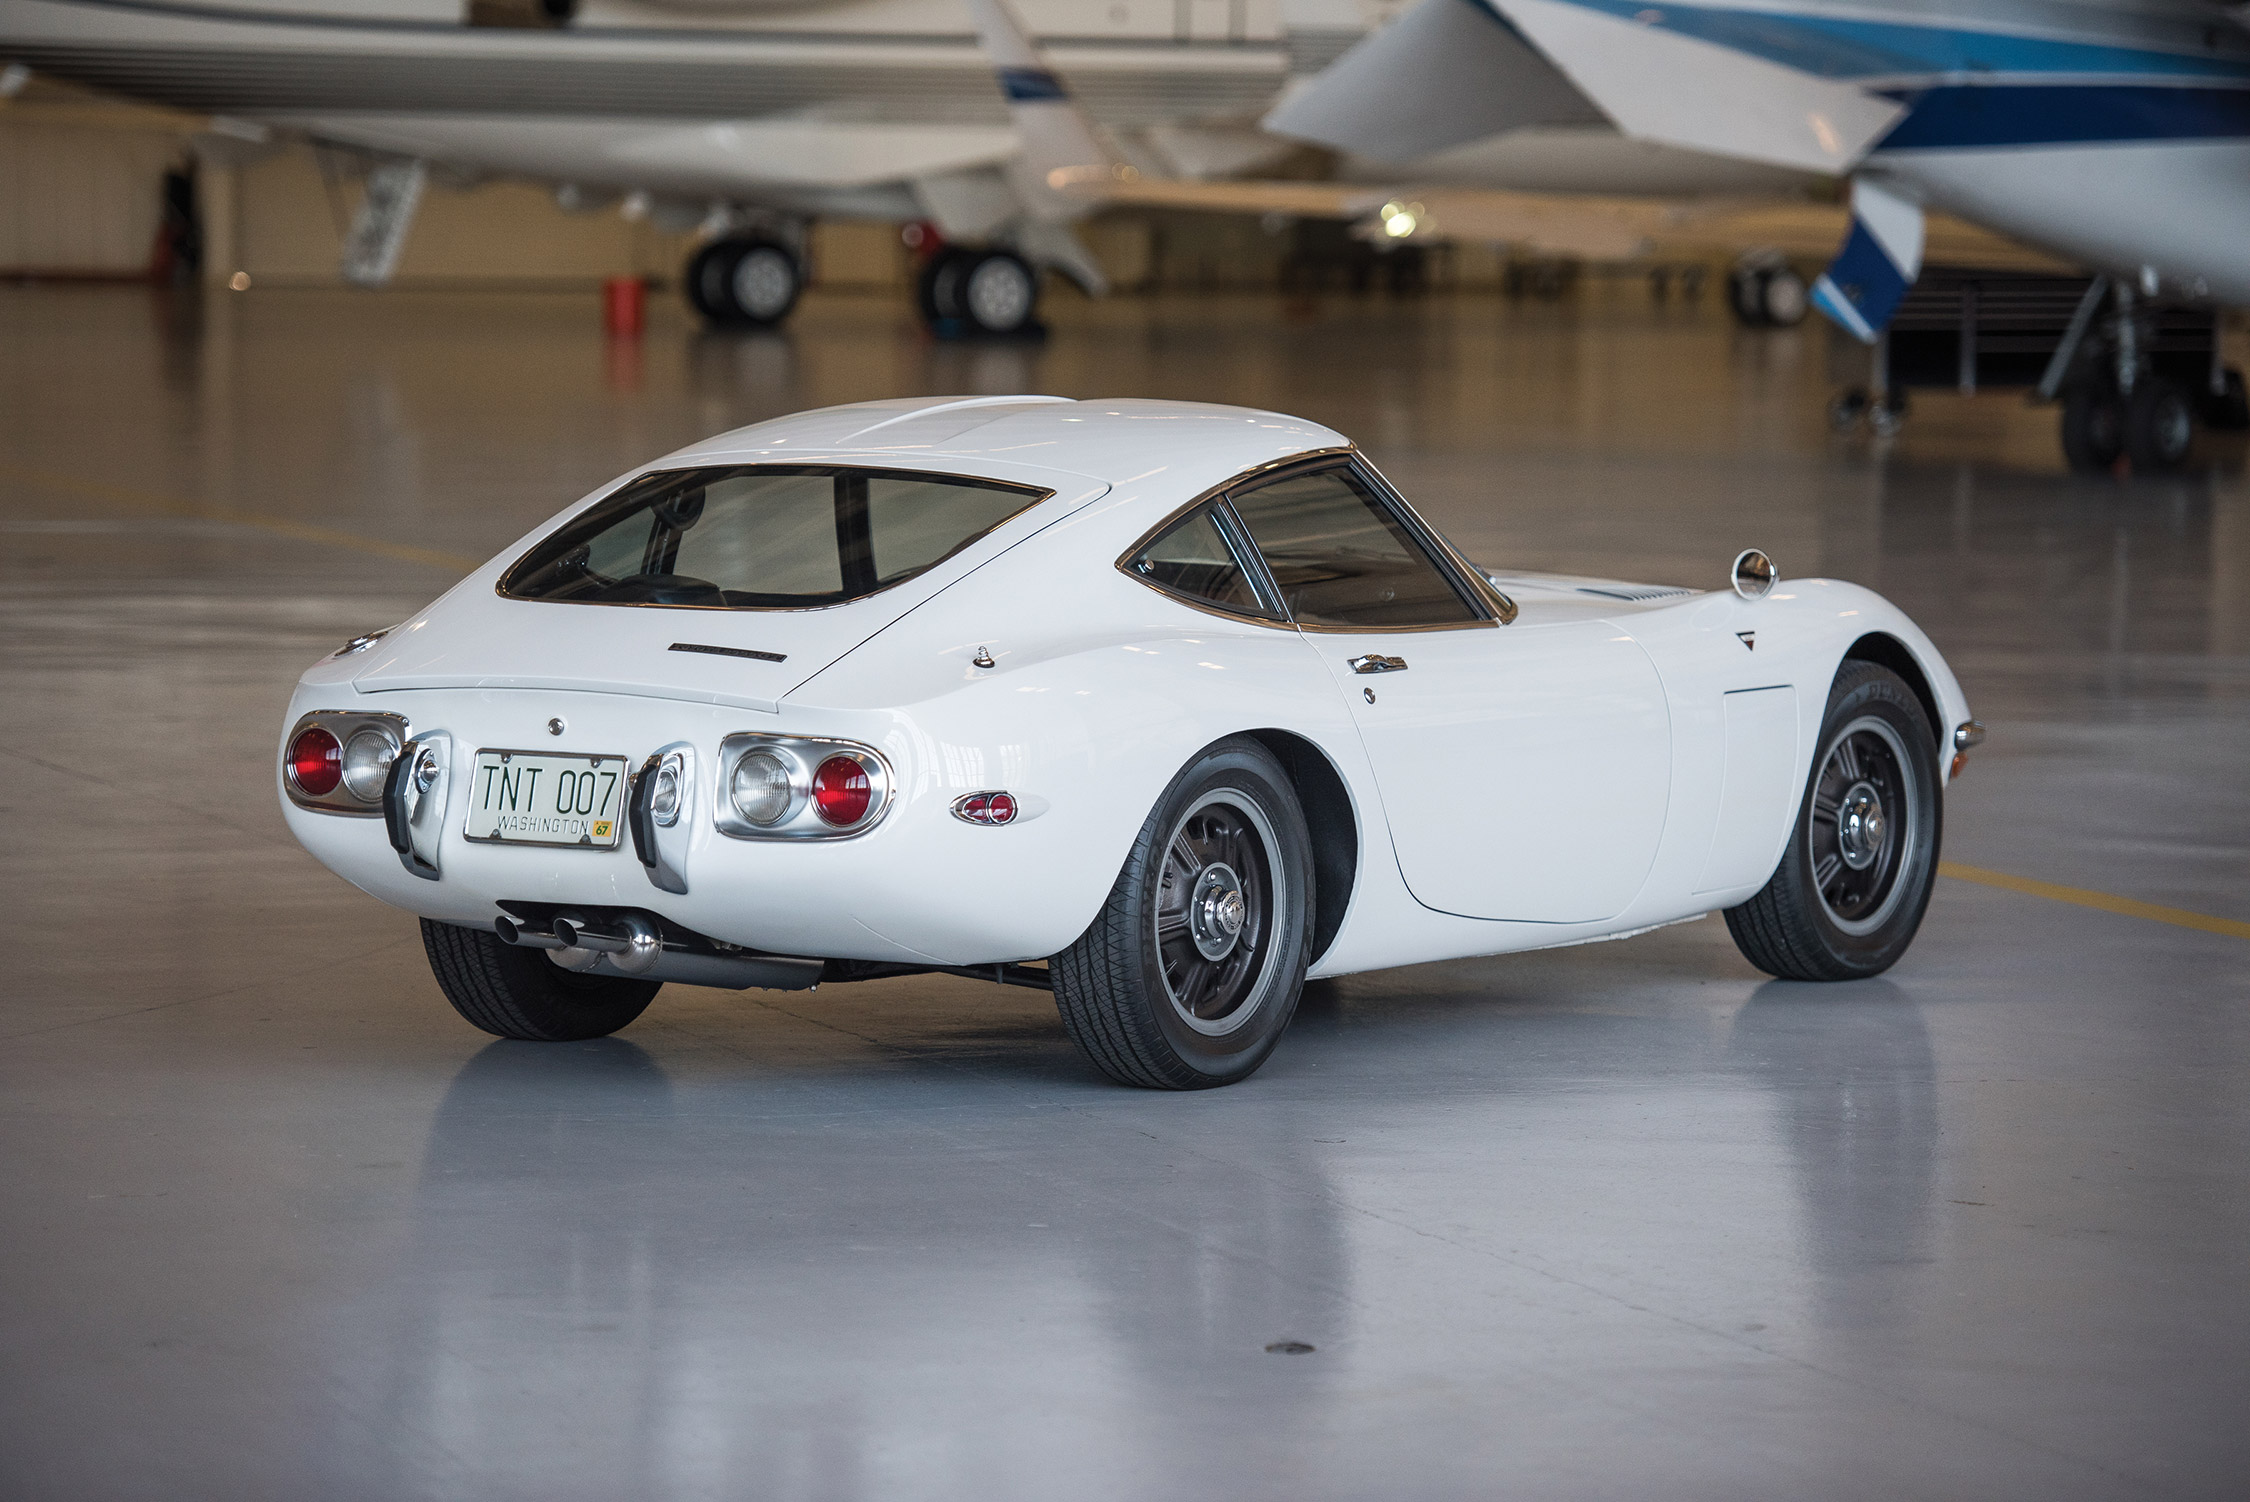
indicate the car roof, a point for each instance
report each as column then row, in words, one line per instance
column 1114, row 440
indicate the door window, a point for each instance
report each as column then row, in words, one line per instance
column 1341, row 557
column 1192, row 558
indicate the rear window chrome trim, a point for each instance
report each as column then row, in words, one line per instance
column 1477, row 591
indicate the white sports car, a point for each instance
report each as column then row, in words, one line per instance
column 1162, row 706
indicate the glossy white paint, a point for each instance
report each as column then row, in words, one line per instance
column 1586, row 771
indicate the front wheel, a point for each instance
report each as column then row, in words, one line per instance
column 1192, row 970
column 1849, row 893
column 518, row 993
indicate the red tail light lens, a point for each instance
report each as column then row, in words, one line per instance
column 316, row 762
column 841, row 792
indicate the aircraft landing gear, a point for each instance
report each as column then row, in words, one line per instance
column 743, row 281
column 1766, row 292
column 990, row 292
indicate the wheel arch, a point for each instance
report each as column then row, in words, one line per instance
column 1886, row 650
column 1334, row 825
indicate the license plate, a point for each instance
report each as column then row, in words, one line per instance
column 539, row 798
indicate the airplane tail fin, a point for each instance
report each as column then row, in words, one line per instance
column 1882, row 256
column 1060, row 145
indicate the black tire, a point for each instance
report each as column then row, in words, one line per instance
column 998, row 293
column 936, row 291
column 1783, row 297
column 1851, row 888
column 744, row 283
column 702, row 281
column 1745, row 298
column 518, row 993
column 2093, row 427
column 1170, row 988
column 2159, row 426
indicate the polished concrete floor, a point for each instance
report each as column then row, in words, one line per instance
column 1616, row 1222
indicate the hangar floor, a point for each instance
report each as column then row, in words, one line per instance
column 1620, row 1221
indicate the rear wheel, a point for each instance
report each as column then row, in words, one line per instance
column 1192, row 970
column 2159, row 426
column 517, row 993
column 2093, row 427
column 1849, row 893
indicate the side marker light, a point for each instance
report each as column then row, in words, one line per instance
column 986, row 808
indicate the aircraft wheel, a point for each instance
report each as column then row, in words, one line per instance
column 2093, row 427
column 744, row 283
column 937, row 292
column 1783, row 297
column 704, row 280
column 2159, row 426
column 1845, row 412
column 999, row 293
column 1886, row 416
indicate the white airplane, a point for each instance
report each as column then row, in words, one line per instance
column 749, row 118
column 2114, row 135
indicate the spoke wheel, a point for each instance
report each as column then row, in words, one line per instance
column 1862, row 816
column 1214, row 912
column 1849, row 892
column 1191, row 970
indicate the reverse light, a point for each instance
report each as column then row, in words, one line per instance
column 664, row 803
column 316, row 762
column 761, row 789
column 841, row 791
column 367, row 762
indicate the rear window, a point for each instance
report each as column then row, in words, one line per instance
column 762, row 538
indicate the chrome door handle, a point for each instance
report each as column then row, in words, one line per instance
column 1376, row 663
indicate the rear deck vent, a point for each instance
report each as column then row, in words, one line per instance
column 1636, row 592
column 696, row 646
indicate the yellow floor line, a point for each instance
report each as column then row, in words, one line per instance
column 2179, row 917
column 143, row 500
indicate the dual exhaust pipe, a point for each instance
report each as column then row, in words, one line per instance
column 631, row 946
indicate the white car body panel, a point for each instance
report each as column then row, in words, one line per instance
column 1101, row 689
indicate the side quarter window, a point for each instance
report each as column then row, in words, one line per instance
column 1341, row 558
column 1192, row 558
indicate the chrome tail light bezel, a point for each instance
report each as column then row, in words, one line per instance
column 343, row 724
column 802, row 756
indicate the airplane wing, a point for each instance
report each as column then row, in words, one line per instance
column 1446, row 72
column 1565, row 224
column 1659, row 81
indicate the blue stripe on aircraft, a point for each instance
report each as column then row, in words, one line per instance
column 1029, row 85
column 1838, row 47
column 1966, row 117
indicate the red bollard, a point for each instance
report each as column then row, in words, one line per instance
column 624, row 307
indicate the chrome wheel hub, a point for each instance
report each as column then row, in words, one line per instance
column 1864, row 833
column 1220, row 890
column 1859, row 826
column 1217, row 911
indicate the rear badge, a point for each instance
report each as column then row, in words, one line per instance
column 1749, row 640
column 985, row 808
